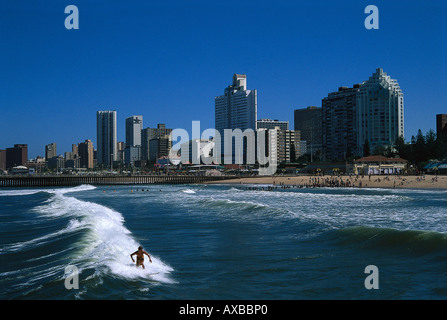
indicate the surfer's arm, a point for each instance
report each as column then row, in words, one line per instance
column 148, row 256
column 131, row 256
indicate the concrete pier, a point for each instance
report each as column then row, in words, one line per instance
column 65, row 180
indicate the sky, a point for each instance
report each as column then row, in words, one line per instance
column 167, row 60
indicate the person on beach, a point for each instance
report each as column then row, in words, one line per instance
column 140, row 256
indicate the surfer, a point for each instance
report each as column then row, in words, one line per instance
column 140, row 256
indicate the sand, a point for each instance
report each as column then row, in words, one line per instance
column 382, row 181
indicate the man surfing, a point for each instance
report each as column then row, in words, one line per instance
column 140, row 256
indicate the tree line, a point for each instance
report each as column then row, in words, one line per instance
column 420, row 150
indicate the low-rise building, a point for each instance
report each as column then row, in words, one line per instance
column 380, row 165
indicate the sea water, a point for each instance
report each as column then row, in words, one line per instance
column 223, row 242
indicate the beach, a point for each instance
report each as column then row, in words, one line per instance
column 373, row 181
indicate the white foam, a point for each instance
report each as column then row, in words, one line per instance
column 188, row 191
column 107, row 243
column 25, row 192
column 5, row 193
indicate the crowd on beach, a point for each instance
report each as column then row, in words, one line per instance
column 337, row 181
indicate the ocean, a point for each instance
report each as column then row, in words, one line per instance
column 222, row 242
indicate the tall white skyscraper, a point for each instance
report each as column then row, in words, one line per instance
column 380, row 111
column 106, row 137
column 237, row 108
column 134, row 125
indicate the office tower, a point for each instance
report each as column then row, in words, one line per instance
column 106, row 137
column 380, row 111
column 272, row 124
column 309, row 122
column 85, row 151
column 441, row 125
column 134, row 125
column 236, row 109
column 288, row 146
column 159, row 147
column 339, row 123
column 197, row 151
column 152, row 133
column 56, row 163
column 121, row 145
column 16, row 156
column 132, row 151
column 50, row 151
column 132, row 154
column 72, row 160
column 75, row 148
column 284, row 145
column 2, row 160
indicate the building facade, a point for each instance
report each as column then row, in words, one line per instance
column 16, row 156
column 441, row 125
column 272, row 124
column 339, row 124
column 237, row 108
column 50, row 150
column 106, row 137
column 2, row 160
column 149, row 134
column 131, row 155
column 134, row 125
column 85, row 151
column 309, row 122
column 380, row 111
column 159, row 147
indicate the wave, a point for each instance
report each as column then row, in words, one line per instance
column 107, row 243
column 102, row 244
column 26, row 192
column 404, row 241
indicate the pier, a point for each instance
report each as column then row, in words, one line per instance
column 65, row 180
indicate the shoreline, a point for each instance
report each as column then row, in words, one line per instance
column 314, row 181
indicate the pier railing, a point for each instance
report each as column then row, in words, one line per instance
column 65, row 180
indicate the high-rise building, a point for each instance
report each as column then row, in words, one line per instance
column 339, row 123
column 309, row 122
column 50, row 151
column 85, row 151
column 272, row 124
column 134, row 125
column 75, row 148
column 120, row 146
column 284, row 145
column 236, row 109
column 441, row 125
column 152, row 133
column 288, row 145
column 16, row 156
column 380, row 111
column 106, row 137
column 159, row 147
column 2, row 160
column 132, row 154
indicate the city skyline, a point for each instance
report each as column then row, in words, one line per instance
column 55, row 80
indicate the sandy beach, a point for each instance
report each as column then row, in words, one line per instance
column 382, row 181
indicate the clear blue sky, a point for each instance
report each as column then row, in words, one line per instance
column 166, row 60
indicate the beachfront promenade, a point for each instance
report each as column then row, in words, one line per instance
column 66, row 180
